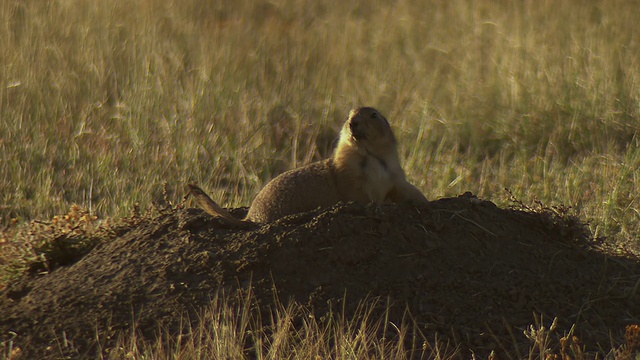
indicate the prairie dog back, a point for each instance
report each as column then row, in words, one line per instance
column 364, row 167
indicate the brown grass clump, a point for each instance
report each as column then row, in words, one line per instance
column 632, row 338
column 42, row 246
column 63, row 239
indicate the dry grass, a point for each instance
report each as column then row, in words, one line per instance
column 103, row 102
column 237, row 332
column 293, row 333
column 101, row 109
column 226, row 331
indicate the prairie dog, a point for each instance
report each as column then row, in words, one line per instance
column 364, row 168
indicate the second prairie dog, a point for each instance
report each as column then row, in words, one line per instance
column 364, row 168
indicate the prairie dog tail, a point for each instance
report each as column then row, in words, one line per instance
column 211, row 207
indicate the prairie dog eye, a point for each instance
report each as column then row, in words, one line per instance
column 374, row 115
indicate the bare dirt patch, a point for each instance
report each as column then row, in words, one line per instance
column 465, row 269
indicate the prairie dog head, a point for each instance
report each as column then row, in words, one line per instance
column 369, row 131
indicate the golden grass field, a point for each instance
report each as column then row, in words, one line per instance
column 102, row 103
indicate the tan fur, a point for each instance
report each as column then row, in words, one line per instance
column 365, row 167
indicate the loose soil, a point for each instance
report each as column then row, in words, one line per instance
column 471, row 272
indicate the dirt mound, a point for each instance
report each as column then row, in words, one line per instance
column 464, row 268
